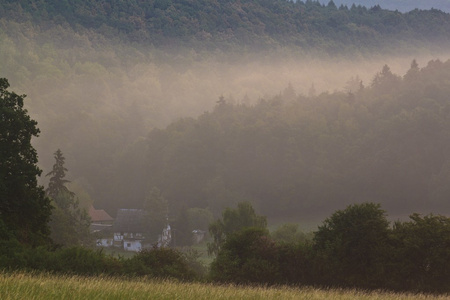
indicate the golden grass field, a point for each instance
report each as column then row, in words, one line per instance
column 21, row 285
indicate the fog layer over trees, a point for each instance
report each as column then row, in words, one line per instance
column 308, row 119
column 294, row 155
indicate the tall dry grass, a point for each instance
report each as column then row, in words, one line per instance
column 21, row 285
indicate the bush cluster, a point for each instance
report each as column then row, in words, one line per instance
column 354, row 248
column 153, row 263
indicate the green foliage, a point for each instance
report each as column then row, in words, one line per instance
column 156, row 210
column 24, row 209
column 225, row 24
column 79, row 260
column 290, row 233
column 181, row 230
column 354, row 247
column 69, row 223
column 57, row 182
column 193, row 259
column 247, row 256
column 74, row 260
column 296, row 263
column 420, row 259
column 5, row 233
column 70, row 226
column 350, row 246
column 160, row 262
column 199, row 218
column 233, row 220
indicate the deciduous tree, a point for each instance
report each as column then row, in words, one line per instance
column 421, row 254
column 350, row 246
column 24, row 209
column 247, row 256
column 233, row 220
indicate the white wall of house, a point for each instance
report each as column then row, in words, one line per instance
column 132, row 245
column 104, row 242
column 118, row 237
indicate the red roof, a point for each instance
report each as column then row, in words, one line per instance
column 99, row 215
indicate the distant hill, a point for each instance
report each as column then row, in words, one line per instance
column 401, row 5
column 226, row 24
column 100, row 74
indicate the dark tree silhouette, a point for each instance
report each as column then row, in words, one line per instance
column 69, row 223
column 57, row 181
column 24, row 209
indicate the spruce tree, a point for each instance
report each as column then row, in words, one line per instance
column 69, row 223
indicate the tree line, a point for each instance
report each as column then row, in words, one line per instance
column 229, row 24
column 355, row 247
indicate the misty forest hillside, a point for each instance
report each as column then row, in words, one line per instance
column 104, row 79
column 297, row 155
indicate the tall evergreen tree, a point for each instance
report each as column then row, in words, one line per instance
column 69, row 223
column 24, row 209
column 56, row 186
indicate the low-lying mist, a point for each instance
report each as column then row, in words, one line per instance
column 96, row 102
column 95, row 115
column 96, row 105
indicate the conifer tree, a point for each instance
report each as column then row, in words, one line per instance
column 56, row 187
column 69, row 223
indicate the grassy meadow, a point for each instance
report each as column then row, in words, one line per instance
column 21, row 285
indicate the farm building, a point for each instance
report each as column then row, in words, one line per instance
column 129, row 229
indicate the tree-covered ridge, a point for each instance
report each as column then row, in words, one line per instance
column 216, row 24
column 387, row 142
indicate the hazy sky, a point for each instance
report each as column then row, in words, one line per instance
column 401, row 5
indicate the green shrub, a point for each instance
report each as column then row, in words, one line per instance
column 12, row 255
column 295, row 263
column 420, row 254
column 79, row 260
column 247, row 256
column 350, row 247
column 161, row 263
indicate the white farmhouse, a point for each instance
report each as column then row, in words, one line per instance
column 129, row 228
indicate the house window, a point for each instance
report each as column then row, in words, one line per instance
column 128, row 245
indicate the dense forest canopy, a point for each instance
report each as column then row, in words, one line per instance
column 302, row 155
column 229, row 24
column 100, row 76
